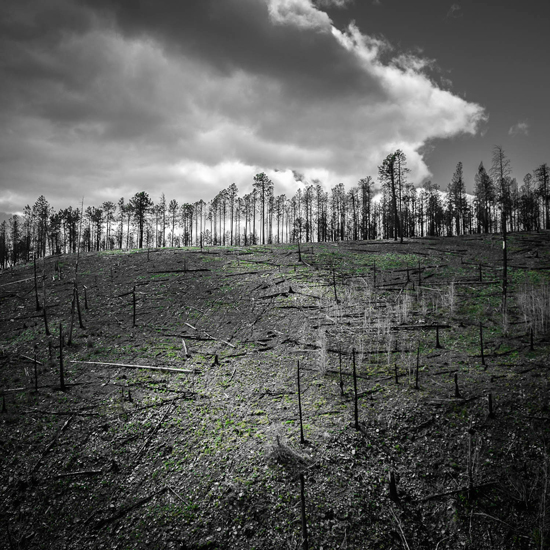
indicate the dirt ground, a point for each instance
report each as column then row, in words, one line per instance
column 202, row 446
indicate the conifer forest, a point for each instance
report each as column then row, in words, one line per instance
column 388, row 207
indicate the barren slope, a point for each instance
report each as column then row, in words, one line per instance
column 210, row 457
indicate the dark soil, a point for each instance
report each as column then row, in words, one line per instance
column 209, row 455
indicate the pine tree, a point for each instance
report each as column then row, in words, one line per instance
column 500, row 172
column 109, row 209
column 173, row 208
column 15, row 235
column 457, row 199
column 3, row 244
column 528, row 205
column 41, row 212
column 232, row 195
column 365, row 187
column 162, row 218
column 542, row 175
column 264, row 186
column 140, row 204
column 392, row 174
column 485, row 196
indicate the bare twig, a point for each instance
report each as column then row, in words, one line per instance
column 483, row 514
column 51, row 444
column 153, row 432
column 174, row 493
column 211, row 337
column 36, row 361
column 445, row 538
column 400, row 527
column 126, row 509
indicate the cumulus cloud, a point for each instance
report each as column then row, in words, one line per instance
column 108, row 98
column 301, row 13
column 521, row 128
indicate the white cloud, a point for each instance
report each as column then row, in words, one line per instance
column 414, row 110
column 521, row 128
column 301, row 13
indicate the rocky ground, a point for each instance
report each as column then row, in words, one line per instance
column 201, row 447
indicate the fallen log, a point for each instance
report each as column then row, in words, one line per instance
column 418, row 327
column 147, row 367
column 30, row 359
column 78, row 473
column 179, row 271
column 62, row 413
column 50, row 445
column 153, row 432
column 126, row 509
column 20, row 281
column 243, row 273
column 211, row 337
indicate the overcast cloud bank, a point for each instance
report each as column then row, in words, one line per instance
column 107, row 98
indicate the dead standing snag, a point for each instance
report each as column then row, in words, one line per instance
column 356, row 410
column 36, row 285
column 393, row 488
column 340, row 370
column 481, row 343
column 416, row 387
column 302, row 439
column 437, row 343
column 45, row 317
column 61, row 373
column 305, row 544
column 134, row 307
column 80, row 323
column 35, row 370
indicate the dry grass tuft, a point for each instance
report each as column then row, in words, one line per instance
column 534, row 303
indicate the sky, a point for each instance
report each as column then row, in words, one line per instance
column 101, row 99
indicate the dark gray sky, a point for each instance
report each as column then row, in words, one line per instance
column 104, row 98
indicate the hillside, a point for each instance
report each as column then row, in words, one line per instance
column 201, row 447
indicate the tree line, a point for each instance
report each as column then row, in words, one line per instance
column 390, row 207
